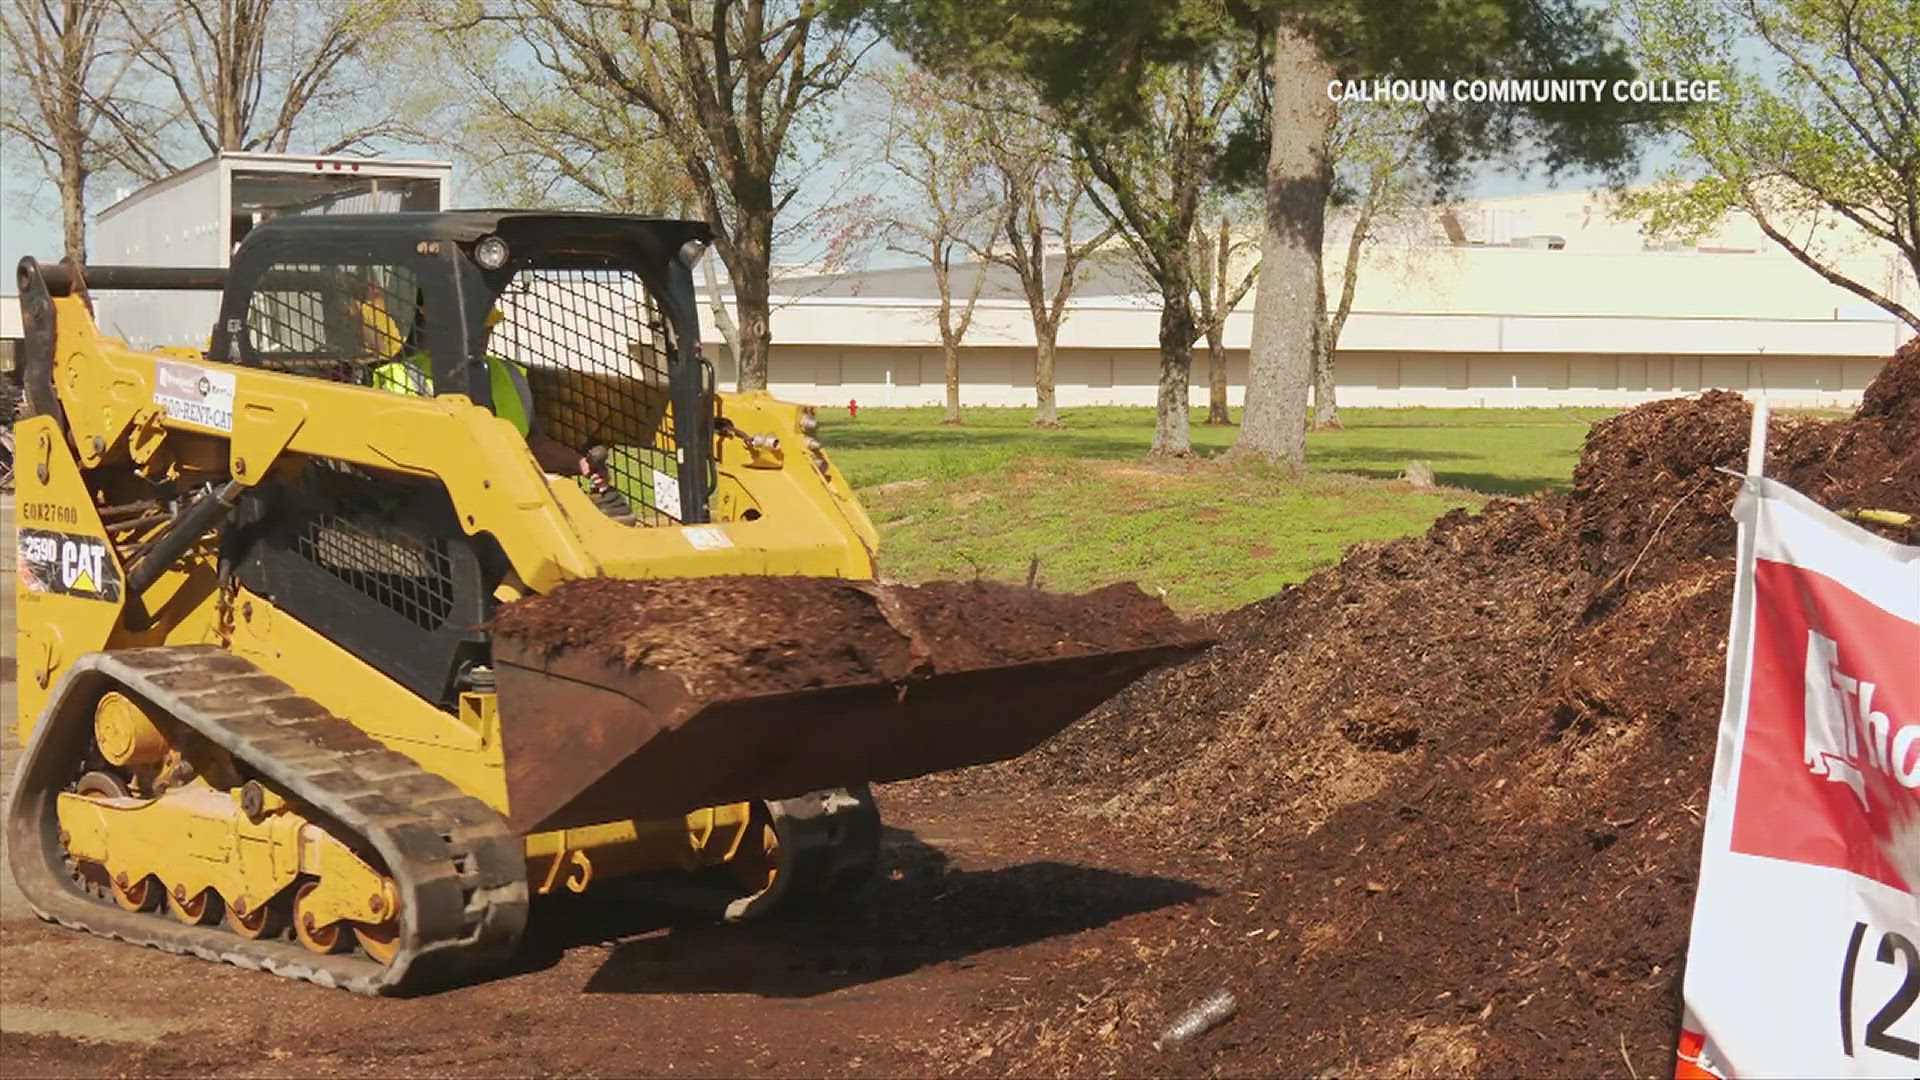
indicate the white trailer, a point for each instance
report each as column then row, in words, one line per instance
column 198, row 215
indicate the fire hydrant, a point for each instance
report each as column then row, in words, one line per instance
column 853, row 409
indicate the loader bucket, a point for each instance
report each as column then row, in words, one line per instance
column 636, row 699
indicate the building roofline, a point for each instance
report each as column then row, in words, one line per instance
column 256, row 158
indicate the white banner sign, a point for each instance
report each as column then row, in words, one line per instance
column 1805, row 953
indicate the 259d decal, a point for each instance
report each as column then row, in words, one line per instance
column 57, row 562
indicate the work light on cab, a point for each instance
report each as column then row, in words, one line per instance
column 490, row 253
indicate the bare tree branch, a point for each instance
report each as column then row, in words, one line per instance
column 63, row 98
column 1803, row 252
column 724, row 82
column 256, row 74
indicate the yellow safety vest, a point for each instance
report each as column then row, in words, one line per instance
column 512, row 397
column 402, row 376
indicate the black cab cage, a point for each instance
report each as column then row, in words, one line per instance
column 580, row 327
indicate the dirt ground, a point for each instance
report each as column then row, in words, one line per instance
column 978, row 908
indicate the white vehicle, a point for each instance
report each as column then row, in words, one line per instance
column 197, row 216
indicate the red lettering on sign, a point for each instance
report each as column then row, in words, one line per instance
column 1830, row 773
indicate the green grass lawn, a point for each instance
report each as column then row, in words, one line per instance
column 1507, row 451
column 985, row 498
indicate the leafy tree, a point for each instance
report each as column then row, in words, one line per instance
column 989, row 179
column 1824, row 129
column 534, row 144
column 1218, row 291
column 948, row 208
column 1099, row 58
column 1315, row 43
column 1373, row 147
column 142, row 87
column 1150, row 177
column 1152, row 151
column 734, row 87
column 1047, row 233
column 1376, row 184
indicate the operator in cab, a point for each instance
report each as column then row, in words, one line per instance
column 407, row 371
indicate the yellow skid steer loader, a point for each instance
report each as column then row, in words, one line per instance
column 445, row 578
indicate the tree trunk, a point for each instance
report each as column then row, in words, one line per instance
column 1326, row 407
column 1217, row 377
column 752, row 248
column 1326, row 410
column 1221, row 293
column 1289, row 311
column 1170, row 432
column 722, row 319
column 1046, row 405
column 73, row 206
column 951, row 350
column 950, row 335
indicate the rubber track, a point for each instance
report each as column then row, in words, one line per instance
column 460, row 873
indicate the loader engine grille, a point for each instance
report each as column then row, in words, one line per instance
column 595, row 350
column 377, row 565
column 409, row 575
column 345, row 323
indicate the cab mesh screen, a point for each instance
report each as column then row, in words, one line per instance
column 357, row 324
column 594, row 348
column 411, row 574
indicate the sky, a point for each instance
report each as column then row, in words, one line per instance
column 30, row 219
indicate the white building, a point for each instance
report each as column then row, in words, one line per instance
column 11, row 335
column 1531, row 300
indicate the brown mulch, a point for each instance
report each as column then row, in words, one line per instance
column 766, row 633
column 1457, row 778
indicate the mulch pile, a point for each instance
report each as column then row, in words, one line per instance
column 766, row 634
column 1456, row 781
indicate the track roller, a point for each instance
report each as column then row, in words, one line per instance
column 202, row 909
column 264, row 921
column 322, row 938
column 142, row 895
